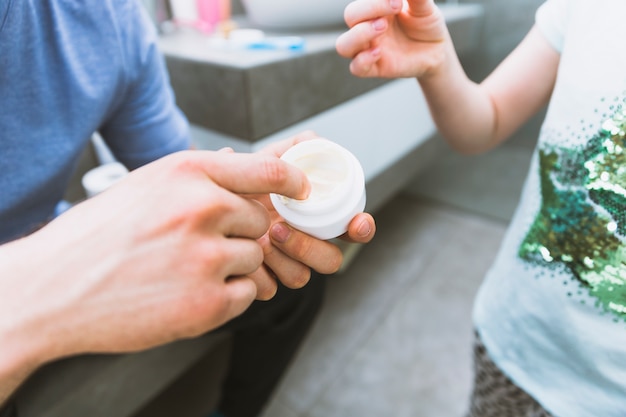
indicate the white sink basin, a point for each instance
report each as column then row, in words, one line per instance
column 295, row 14
column 315, row 14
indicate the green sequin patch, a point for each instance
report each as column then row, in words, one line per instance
column 582, row 219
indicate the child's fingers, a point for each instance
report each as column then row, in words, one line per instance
column 363, row 10
column 364, row 64
column 360, row 37
column 420, row 8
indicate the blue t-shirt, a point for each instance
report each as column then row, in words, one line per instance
column 69, row 68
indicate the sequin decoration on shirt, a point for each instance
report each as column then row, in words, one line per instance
column 582, row 220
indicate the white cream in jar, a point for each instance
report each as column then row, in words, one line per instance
column 337, row 189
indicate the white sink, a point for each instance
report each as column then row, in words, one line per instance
column 295, row 14
column 315, row 14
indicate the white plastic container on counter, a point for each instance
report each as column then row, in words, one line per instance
column 98, row 179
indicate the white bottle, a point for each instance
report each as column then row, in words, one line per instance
column 337, row 189
column 98, row 179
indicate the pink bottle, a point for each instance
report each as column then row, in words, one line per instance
column 209, row 14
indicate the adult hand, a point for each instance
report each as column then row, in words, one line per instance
column 394, row 38
column 289, row 253
column 161, row 255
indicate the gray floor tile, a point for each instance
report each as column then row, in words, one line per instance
column 396, row 325
column 418, row 360
column 488, row 184
column 394, row 337
column 278, row 409
column 360, row 298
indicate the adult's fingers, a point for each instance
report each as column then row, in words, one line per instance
column 231, row 256
column 239, row 217
column 361, row 229
column 252, row 173
column 265, row 282
column 280, row 147
column 291, row 272
column 240, row 293
column 322, row 256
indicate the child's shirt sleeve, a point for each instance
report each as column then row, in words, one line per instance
column 551, row 19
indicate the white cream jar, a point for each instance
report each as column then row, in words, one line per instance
column 337, row 189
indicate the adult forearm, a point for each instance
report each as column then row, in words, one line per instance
column 19, row 344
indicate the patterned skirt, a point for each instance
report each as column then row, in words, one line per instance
column 495, row 395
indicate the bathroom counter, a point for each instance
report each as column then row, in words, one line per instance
column 250, row 94
column 121, row 385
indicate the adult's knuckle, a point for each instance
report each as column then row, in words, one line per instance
column 274, row 171
column 180, row 161
column 210, row 257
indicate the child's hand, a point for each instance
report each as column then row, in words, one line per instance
column 392, row 38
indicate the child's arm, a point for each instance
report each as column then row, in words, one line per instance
column 412, row 40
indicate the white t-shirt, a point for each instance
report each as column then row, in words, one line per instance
column 552, row 310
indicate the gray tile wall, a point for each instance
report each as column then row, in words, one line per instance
column 488, row 184
column 237, row 7
column 506, row 23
